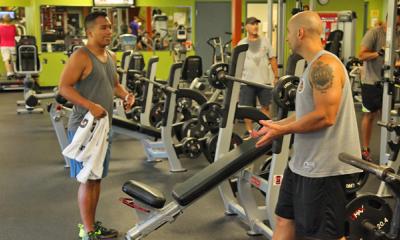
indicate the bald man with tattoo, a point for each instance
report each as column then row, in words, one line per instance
column 312, row 198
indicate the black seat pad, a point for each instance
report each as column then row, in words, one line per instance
column 220, row 170
column 133, row 126
column 144, row 193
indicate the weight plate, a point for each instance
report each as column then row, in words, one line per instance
column 368, row 208
column 210, row 115
column 284, row 92
column 135, row 113
column 191, row 147
column 192, row 128
column 213, row 77
column 156, row 114
column 183, row 104
column 211, row 145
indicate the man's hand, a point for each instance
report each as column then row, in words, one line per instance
column 129, row 101
column 269, row 132
column 97, row 111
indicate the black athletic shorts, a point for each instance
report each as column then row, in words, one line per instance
column 317, row 205
column 249, row 95
column 372, row 97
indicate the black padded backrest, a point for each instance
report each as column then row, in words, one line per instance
column 219, row 171
column 26, row 40
column 336, row 35
column 137, row 62
column 27, row 56
column 192, row 68
column 333, row 44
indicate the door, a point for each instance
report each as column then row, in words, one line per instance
column 212, row 19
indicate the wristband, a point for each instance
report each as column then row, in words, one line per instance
column 126, row 97
column 381, row 52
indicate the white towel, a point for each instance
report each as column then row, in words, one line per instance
column 89, row 146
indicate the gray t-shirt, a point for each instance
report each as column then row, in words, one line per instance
column 316, row 153
column 257, row 60
column 373, row 40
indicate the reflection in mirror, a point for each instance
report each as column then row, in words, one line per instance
column 134, row 28
column 61, row 27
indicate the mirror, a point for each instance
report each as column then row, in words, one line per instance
column 134, row 28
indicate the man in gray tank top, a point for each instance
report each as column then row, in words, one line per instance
column 89, row 80
column 312, row 198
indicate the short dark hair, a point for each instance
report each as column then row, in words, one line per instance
column 91, row 17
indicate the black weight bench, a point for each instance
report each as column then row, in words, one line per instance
column 144, row 193
column 137, row 127
column 219, row 171
column 203, row 181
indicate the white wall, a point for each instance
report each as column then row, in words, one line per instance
column 260, row 11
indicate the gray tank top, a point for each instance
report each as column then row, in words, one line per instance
column 98, row 87
column 316, row 153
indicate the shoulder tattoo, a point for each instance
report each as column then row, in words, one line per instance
column 321, row 76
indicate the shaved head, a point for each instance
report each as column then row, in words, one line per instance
column 304, row 32
column 307, row 20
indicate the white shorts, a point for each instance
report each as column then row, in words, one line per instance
column 6, row 52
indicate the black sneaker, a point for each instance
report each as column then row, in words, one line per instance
column 103, row 232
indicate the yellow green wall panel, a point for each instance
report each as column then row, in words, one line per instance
column 15, row 3
column 356, row 5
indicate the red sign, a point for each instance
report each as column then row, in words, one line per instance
column 329, row 21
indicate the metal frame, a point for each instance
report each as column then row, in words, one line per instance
column 388, row 77
column 245, row 206
column 156, row 150
column 58, row 114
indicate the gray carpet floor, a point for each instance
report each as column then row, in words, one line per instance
column 38, row 199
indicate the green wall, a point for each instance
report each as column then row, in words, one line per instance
column 356, row 6
column 15, row 3
column 51, row 70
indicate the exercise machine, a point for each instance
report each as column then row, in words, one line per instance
column 221, row 52
column 244, row 204
column 27, row 63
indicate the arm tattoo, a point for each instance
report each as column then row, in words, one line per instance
column 321, row 76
